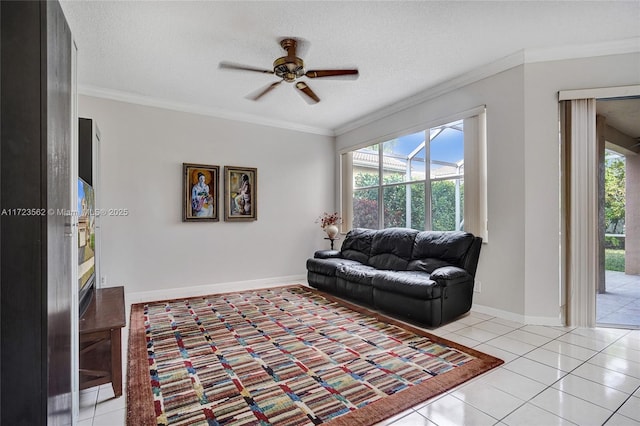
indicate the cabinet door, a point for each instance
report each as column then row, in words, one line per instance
column 59, row 227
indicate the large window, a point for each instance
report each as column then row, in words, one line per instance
column 417, row 180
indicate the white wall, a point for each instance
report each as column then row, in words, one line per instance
column 520, row 267
column 151, row 249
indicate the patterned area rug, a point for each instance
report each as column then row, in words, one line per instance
column 283, row 356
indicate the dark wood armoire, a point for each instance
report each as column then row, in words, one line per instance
column 36, row 87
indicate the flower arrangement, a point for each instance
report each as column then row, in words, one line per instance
column 327, row 219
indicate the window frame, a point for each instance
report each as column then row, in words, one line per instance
column 474, row 174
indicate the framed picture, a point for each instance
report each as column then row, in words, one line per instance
column 240, row 193
column 200, row 192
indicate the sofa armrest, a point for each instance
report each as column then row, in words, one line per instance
column 327, row 254
column 450, row 274
column 454, row 281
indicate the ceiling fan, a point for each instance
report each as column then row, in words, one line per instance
column 290, row 68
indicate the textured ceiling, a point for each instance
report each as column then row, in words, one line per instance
column 169, row 51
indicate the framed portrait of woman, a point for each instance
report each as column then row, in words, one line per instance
column 240, row 193
column 200, row 192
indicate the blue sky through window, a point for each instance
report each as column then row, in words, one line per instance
column 447, row 146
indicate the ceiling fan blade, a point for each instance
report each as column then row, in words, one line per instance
column 265, row 91
column 233, row 66
column 302, row 87
column 332, row 73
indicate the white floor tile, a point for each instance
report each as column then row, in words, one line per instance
column 620, row 365
column 607, row 335
column 534, row 370
column 494, row 327
column 470, row 320
column 620, row 420
column 451, row 327
column 450, row 411
column 488, row 399
column 631, row 408
column 632, row 340
column 87, row 412
column 571, row 408
column 568, row 349
column 607, row 377
column 88, row 397
column 585, row 342
column 87, row 406
column 514, row 346
column 554, row 359
column 498, row 353
column 108, row 405
column 481, row 315
column 544, row 331
column 530, row 415
column 477, row 334
column 508, row 323
column 621, row 350
column 112, row 418
column 463, row 340
column 596, row 393
column 530, row 338
column 515, row 384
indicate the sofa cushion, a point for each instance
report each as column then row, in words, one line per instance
column 391, row 248
column 327, row 266
column 359, row 274
column 450, row 247
column 357, row 245
column 427, row 265
column 415, row 284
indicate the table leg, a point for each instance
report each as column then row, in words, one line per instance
column 116, row 362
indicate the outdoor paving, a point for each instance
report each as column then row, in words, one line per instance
column 620, row 305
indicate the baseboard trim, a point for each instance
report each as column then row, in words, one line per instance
column 523, row 319
column 201, row 290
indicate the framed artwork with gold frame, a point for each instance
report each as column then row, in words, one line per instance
column 240, row 193
column 200, row 192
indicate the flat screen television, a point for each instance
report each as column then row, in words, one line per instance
column 86, row 244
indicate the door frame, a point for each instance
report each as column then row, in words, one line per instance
column 580, row 199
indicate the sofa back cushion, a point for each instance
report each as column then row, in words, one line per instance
column 434, row 249
column 391, row 248
column 357, row 245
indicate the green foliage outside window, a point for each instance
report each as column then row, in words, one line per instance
column 614, row 198
column 365, row 203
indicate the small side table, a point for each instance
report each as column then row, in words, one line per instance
column 100, row 340
column 332, row 240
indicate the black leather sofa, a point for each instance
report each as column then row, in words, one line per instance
column 425, row 276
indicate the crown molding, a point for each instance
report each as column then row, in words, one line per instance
column 575, row 51
column 116, row 95
column 525, row 56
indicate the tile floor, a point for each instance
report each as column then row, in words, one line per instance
column 620, row 305
column 551, row 376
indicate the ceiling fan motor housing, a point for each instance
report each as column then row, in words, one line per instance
column 289, row 67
